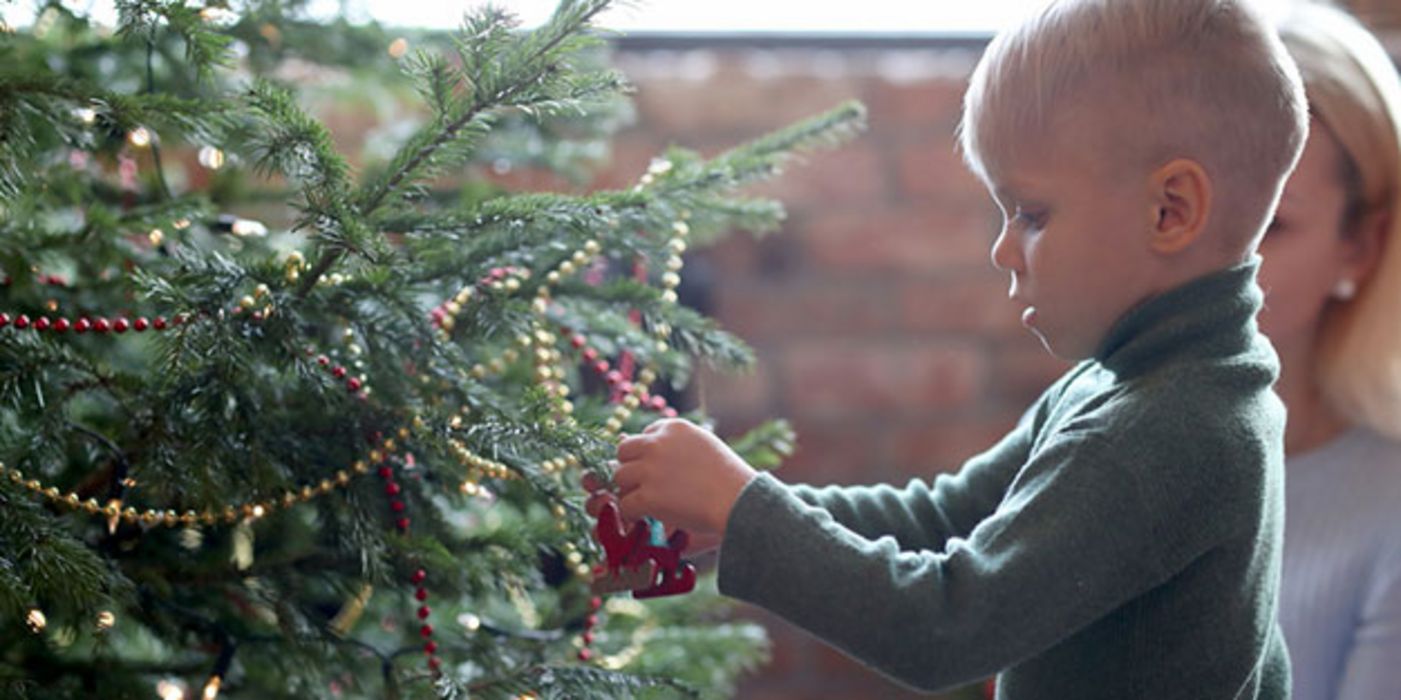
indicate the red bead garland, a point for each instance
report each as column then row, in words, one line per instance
column 591, row 621
column 84, row 324
column 396, row 504
column 354, row 385
column 496, row 274
column 615, row 379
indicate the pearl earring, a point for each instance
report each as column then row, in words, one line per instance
column 1345, row 289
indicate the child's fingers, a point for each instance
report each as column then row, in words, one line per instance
column 594, row 504
column 633, row 447
column 634, row 506
column 593, row 482
column 627, row 478
column 654, row 426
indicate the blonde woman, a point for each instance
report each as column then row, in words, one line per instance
column 1332, row 280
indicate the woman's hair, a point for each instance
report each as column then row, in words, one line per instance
column 1204, row 79
column 1354, row 90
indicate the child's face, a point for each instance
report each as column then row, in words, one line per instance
column 1074, row 238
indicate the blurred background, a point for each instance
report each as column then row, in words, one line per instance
column 881, row 328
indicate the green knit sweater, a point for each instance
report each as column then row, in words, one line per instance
column 1123, row 541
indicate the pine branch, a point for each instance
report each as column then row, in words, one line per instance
column 522, row 74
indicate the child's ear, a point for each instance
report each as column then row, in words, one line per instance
column 1181, row 199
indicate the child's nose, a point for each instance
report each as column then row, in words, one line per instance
column 1006, row 253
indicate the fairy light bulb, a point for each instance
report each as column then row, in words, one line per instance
column 211, row 157
column 469, row 621
column 211, row 689
column 218, row 16
column 398, row 47
column 36, row 620
column 139, row 137
column 170, row 690
column 86, row 115
column 105, row 620
column 248, row 227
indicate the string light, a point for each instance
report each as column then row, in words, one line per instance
column 211, row 157
column 398, row 47
column 36, row 620
column 115, row 512
column 105, row 620
column 211, row 689
column 139, row 137
column 170, row 690
column 538, row 344
column 218, row 16
column 86, row 115
column 156, row 237
column 248, row 227
column 469, row 622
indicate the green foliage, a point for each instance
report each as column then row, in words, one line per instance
column 234, row 404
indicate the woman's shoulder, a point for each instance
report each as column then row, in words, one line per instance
column 1356, row 477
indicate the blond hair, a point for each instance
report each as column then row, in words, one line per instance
column 1353, row 89
column 1203, row 79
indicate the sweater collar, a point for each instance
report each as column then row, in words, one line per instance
column 1212, row 316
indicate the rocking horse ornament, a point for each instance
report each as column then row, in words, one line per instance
column 641, row 559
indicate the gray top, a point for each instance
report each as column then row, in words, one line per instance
column 1123, row 541
column 1340, row 602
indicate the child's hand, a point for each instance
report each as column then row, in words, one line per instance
column 684, row 476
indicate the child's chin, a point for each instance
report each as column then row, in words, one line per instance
column 1059, row 350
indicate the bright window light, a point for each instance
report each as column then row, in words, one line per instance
column 785, row 16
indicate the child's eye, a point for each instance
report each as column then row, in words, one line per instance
column 1031, row 219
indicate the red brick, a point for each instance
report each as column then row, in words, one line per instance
column 970, row 303
column 915, row 239
column 925, row 449
column 629, row 155
column 932, row 169
column 735, row 396
column 853, row 378
column 834, row 451
column 736, row 257
column 759, row 312
column 930, row 105
column 854, row 174
column 734, row 101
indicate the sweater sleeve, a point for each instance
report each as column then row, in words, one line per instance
column 1371, row 669
column 1065, row 547
column 920, row 517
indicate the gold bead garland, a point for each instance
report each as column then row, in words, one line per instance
column 227, row 515
column 548, row 371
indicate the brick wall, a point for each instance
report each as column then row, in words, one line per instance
column 883, row 332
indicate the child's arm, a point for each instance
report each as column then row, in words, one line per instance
column 920, row 517
column 1077, row 536
column 688, row 478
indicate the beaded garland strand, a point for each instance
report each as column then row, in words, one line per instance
column 549, row 373
column 633, row 394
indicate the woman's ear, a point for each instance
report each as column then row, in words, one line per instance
column 1181, row 196
column 1365, row 245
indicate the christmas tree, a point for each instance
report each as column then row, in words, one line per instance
column 279, row 423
